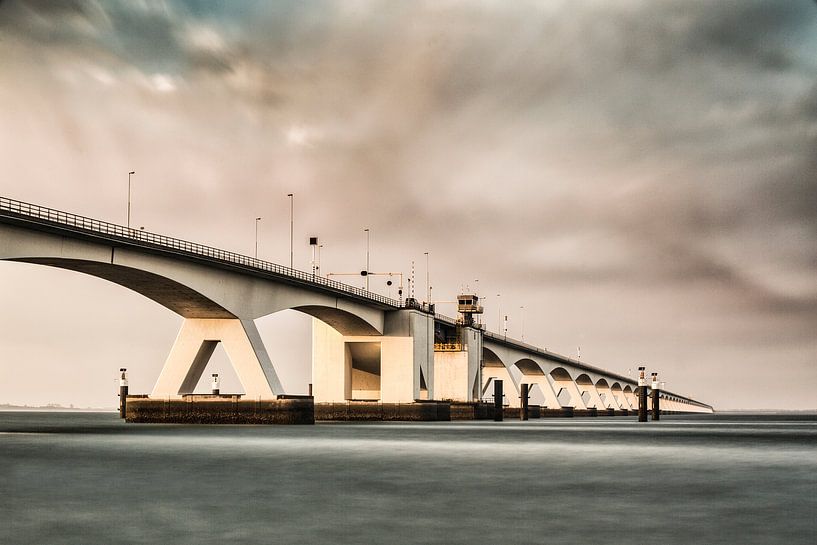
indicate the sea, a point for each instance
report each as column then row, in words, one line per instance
column 90, row 478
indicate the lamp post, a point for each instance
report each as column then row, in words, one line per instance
column 131, row 173
column 291, row 228
column 522, row 322
column 256, row 237
column 367, row 258
column 428, row 282
column 498, row 314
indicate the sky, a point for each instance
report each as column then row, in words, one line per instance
column 634, row 179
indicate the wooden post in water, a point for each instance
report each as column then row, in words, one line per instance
column 656, row 397
column 523, row 409
column 123, row 391
column 497, row 400
column 642, row 395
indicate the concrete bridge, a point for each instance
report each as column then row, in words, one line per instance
column 364, row 346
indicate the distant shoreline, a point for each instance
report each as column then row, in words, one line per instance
column 5, row 407
column 54, row 408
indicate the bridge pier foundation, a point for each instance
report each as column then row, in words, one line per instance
column 194, row 346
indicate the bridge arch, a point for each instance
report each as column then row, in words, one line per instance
column 533, row 374
column 219, row 303
column 565, row 388
column 589, row 394
column 188, row 302
column 495, row 368
column 618, row 394
column 629, row 394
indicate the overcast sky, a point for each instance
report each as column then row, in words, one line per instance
column 641, row 176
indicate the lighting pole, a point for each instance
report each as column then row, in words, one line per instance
column 367, row 258
column 498, row 314
column 522, row 322
column 131, row 173
column 256, row 237
column 428, row 283
column 291, row 228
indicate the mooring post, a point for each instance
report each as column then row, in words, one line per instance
column 123, row 391
column 642, row 395
column 216, row 388
column 523, row 409
column 656, row 396
column 497, row 400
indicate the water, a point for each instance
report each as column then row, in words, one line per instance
column 84, row 478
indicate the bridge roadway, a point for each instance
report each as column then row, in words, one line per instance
column 220, row 293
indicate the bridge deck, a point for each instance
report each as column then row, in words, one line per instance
column 65, row 223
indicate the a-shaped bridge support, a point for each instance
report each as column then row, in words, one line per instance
column 194, row 346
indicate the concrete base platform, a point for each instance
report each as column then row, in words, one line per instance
column 586, row 412
column 510, row 413
column 471, row 411
column 420, row 411
column 564, row 412
column 220, row 410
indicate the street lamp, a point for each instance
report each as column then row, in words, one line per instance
column 522, row 322
column 498, row 314
column 367, row 258
column 131, row 173
column 428, row 283
column 256, row 237
column 291, row 228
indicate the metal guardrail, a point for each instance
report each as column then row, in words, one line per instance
column 448, row 347
column 82, row 224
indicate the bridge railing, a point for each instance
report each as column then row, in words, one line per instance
column 42, row 214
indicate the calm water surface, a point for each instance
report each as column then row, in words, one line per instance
column 88, row 478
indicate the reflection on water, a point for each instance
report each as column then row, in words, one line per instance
column 91, row 479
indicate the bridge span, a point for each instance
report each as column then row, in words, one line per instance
column 364, row 346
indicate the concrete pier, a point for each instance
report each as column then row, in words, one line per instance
column 498, row 414
column 642, row 395
column 123, row 392
column 210, row 409
column 656, row 397
column 421, row 411
column 475, row 410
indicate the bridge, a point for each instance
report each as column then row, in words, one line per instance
column 364, row 346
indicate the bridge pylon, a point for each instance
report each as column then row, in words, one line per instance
column 194, row 346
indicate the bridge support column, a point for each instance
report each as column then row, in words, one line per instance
column 630, row 400
column 573, row 390
column 551, row 401
column 501, row 373
column 194, row 346
column 610, row 402
column 595, row 398
column 389, row 368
